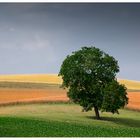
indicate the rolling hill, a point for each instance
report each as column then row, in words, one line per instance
column 130, row 84
column 54, row 79
column 32, row 78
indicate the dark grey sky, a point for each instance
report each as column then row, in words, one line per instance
column 35, row 38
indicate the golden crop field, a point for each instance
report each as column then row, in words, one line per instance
column 33, row 78
column 130, row 84
column 55, row 79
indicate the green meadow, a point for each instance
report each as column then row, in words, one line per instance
column 65, row 120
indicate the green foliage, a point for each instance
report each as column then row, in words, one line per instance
column 89, row 74
column 114, row 97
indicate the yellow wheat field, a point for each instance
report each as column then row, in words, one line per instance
column 34, row 78
column 130, row 84
column 55, row 79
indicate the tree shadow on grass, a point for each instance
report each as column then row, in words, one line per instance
column 120, row 121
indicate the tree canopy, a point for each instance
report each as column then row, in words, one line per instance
column 90, row 77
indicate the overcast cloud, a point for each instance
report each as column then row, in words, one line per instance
column 35, row 38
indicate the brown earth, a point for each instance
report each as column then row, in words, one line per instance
column 26, row 95
column 8, row 95
column 134, row 100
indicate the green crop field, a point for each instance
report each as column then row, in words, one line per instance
column 65, row 120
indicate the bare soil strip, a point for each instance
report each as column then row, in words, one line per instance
column 26, row 95
column 134, row 100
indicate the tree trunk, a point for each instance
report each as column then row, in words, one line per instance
column 97, row 113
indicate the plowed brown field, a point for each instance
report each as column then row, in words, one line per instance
column 134, row 100
column 26, row 95
column 8, row 95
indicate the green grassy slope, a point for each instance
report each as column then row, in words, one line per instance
column 65, row 120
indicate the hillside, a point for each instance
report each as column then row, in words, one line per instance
column 130, row 84
column 32, row 78
column 65, row 120
column 54, row 79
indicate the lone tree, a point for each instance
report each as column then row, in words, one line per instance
column 89, row 75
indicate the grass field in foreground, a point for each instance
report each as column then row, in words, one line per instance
column 65, row 120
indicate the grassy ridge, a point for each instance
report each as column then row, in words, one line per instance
column 6, row 84
column 133, row 90
column 65, row 120
column 28, row 85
